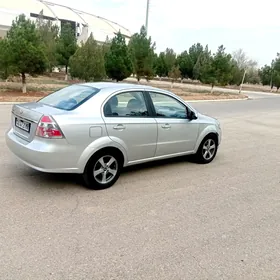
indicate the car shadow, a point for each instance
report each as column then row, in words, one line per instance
column 158, row 164
column 65, row 180
column 56, row 180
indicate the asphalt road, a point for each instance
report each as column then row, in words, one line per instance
column 170, row 220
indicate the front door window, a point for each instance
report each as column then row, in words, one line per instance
column 168, row 107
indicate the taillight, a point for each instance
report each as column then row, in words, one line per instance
column 48, row 128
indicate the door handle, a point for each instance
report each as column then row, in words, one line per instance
column 166, row 126
column 119, row 127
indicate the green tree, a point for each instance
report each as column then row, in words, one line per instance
column 222, row 66
column 170, row 59
column 236, row 74
column 5, row 63
column 195, row 51
column 185, row 65
column 106, row 46
column 49, row 36
column 202, row 69
column 174, row 74
column 118, row 63
column 161, row 66
column 276, row 80
column 155, row 61
column 26, row 50
column 88, row 61
column 265, row 74
column 207, row 74
column 142, row 52
column 270, row 75
column 214, row 69
column 276, row 63
column 66, row 46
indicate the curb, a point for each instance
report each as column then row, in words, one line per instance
column 10, row 103
column 189, row 101
column 217, row 100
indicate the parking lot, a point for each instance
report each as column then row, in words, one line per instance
column 166, row 220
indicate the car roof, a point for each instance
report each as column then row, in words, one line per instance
column 116, row 86
column 107, row 88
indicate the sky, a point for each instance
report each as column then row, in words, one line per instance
column 251, row 25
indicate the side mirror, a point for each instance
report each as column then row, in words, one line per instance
column 192, row 115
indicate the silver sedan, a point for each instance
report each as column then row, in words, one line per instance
column 96, row 129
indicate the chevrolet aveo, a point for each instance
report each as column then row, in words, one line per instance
column 96, row 129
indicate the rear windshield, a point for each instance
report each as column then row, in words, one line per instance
column 69, row 98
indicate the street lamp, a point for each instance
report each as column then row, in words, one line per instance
column 147, row 16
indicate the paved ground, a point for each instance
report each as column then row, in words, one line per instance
column 175, row 220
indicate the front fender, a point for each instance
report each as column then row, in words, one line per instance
column 95, row 146
column 204, row 131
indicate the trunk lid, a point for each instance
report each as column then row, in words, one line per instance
column 25, row 118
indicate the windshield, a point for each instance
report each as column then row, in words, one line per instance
column 69, row 98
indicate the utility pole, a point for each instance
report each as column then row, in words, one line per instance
column 240, row 89
column 147, row 15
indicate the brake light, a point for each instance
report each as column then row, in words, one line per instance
column 48, row 128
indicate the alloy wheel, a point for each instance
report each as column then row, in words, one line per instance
column 209, row 149
column 105, row 169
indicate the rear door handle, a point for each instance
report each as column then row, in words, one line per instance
column 119, row 127
column 166, row 126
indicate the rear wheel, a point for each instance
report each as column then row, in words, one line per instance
column 207, row 149
column 103, row 170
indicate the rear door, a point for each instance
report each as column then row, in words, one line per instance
column 129, row 122
column 176, row 133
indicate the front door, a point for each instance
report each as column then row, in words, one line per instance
column 176, row 133
column 129, row 123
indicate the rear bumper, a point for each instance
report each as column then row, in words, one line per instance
column 51, row 156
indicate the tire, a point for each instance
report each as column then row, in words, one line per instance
column 207, row 150
column 103, row 170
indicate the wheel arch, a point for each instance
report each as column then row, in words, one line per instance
column 204, row 135
column 111, row 150
column 92, row 150
column 214, row 135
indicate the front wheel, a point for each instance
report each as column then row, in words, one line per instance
column 102, row 171
column 207, row 150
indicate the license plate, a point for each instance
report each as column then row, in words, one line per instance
column 22, row 125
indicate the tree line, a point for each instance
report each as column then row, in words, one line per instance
column 270, row 74
column 37, row 47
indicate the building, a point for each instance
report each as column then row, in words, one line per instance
column 83, row 23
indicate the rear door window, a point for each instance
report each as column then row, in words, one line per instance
column 126, row 104
column 69, row 98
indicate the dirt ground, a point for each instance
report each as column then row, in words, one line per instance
column 17, row 96
column 38, row 87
